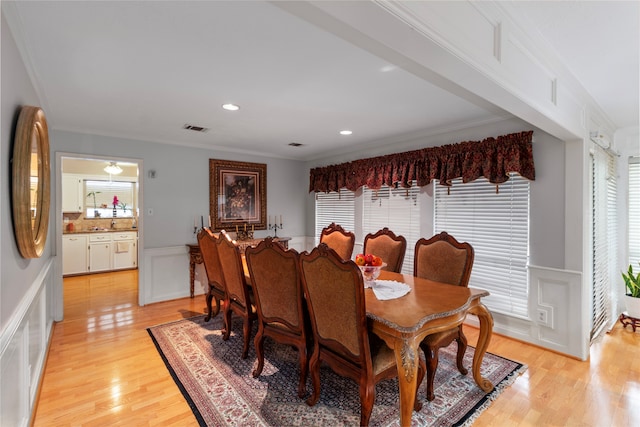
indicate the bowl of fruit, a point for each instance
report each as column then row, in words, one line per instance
column 370, row 265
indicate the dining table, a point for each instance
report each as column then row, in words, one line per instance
column 429, row 307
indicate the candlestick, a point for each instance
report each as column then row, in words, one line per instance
column 195, row 222
column 269, row 221
column 280, row 220
column 209, row 221
column 275, row 228
column 201, row 222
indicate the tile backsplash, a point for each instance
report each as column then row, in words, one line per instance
column 80, row 223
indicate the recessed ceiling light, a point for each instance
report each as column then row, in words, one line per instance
column 230, row 107
column 345, row 132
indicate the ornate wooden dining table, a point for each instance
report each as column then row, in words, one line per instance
column 428, row 308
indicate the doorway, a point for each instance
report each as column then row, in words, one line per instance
column 93, row 200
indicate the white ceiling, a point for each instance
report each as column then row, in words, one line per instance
column 142, row 70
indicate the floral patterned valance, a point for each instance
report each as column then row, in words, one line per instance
column 493, row 158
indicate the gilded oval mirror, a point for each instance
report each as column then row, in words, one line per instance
column 30, row 182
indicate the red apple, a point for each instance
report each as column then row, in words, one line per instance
column 368, row 259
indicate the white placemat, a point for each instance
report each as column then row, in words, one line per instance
column 390, row 289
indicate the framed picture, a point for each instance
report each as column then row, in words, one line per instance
column 237, row 195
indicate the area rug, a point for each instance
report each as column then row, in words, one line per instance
column 221, row 391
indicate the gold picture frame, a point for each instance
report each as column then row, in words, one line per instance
column 237, row 195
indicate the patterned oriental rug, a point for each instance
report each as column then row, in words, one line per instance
column 221, row 391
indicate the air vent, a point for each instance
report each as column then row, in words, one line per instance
column 195, row 128
column 295, row 144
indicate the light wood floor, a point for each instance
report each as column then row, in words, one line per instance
column 103, row 369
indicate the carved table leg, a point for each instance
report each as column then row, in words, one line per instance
column 486, row 329
column 406, row 351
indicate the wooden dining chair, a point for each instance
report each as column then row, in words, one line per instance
column 238, row 298
column 385, row 244
column 443, row 259
column 335, row 299
column 275, row 279
column 338, row 239
column 207, row 242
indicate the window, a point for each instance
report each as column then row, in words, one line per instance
column 335, row 207
column 396, row 208
column 604, row 220
column 496, row 223
column 634, row 211
column 99, row 198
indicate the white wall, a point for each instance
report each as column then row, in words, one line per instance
column 178, row 193
column 25, row 304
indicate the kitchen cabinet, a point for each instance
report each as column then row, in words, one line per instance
column 99, row 252
column 74, row 254
column 72, row 193
column 124, row 247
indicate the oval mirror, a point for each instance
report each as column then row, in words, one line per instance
column 30, row 182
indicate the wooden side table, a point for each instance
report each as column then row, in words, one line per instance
column 626, row 320
column 195, row 256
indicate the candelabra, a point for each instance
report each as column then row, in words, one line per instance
column 275, row 228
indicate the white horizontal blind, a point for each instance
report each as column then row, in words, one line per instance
column 105, row 190
column 603, row 205
column 338, row 207
column 634, row 211
column 497, row 226
column 396, row 208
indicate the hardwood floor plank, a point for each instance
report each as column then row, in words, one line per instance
column 103, row 369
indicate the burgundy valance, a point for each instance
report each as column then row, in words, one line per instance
column 493, row 158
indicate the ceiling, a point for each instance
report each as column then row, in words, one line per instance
column 144, row 70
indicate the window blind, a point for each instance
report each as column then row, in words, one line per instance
column 496, row 224
column 105, row 191
column 634, row 211
column 338, row 207
column 396, row 208
column 603, row 206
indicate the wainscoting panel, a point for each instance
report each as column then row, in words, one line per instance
column 23, row 347
column 166, row 274
column 555, row 312
column 556, row 308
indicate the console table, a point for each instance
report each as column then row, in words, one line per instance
column 195, row 256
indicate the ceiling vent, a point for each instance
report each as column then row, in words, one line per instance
column 295, row 144
column 195, row 128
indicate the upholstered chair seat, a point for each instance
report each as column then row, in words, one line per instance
column 238, row 296
column 216, row 290
column 338, row 239
column 275, row 278
column 334, row 291
column 443, row 259
column 385, row 244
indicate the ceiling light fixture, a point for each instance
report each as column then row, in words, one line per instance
column 230, row 107
column 345, row 132
column 113, row 169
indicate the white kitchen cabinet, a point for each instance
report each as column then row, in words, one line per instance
column 124, row 246
column 74, row 254
column 99, row 252
column 72, row 193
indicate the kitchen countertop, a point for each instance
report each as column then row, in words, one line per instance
column 106, row 230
